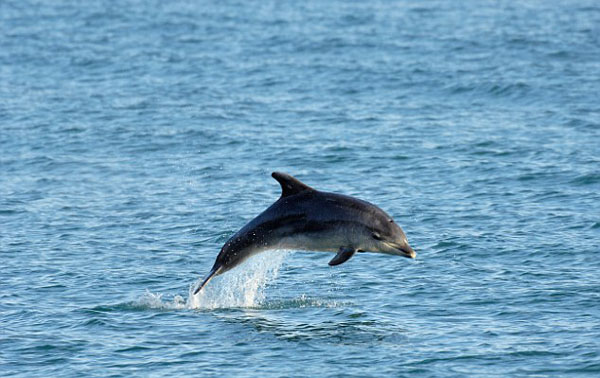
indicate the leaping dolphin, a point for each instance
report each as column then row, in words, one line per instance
column 307, row 219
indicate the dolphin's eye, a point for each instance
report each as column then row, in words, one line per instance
column 376, row 236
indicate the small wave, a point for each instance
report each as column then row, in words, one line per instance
column 500, row 90
column 156, row 301
column 591, row 178
column 301, row 302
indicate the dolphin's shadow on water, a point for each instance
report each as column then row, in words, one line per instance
column 345, row 326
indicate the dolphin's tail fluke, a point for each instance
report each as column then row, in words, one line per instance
column 213, row 272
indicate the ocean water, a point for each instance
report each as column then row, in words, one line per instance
column 137, row 136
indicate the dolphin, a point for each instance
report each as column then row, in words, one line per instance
column 307, row 219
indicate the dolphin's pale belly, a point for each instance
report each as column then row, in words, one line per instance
column 323, row 242
column 283, row 238
column 320, row 236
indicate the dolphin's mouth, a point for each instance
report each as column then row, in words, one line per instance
column 408, row 252
column 405, row 250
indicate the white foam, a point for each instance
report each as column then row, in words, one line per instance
column 243, row 286
column 151, row 300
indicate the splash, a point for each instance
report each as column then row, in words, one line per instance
column 243, row 286
column 155, row 301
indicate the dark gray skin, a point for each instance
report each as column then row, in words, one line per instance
column 307, row 219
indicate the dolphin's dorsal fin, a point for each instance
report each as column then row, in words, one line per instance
column 290, row 185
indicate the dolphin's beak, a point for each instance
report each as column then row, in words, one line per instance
column 405, row 250
column 408, row 251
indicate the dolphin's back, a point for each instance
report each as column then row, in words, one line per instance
column 325, row 208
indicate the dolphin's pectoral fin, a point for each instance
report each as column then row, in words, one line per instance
column 342, row 256
column 290, row 185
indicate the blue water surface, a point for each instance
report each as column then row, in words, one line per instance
column 137, row 136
